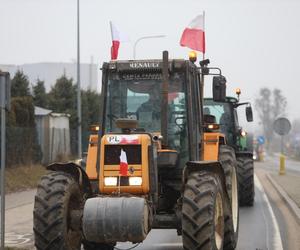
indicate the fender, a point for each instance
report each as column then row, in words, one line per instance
column 76, row 171
column 207, row 166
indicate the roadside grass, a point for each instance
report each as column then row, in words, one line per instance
column 20, row 178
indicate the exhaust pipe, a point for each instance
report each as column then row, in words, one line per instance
column 164, row 101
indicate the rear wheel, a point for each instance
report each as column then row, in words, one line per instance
column 57, row 201
column 245, row 172
column 228, row 161
column 203, row 213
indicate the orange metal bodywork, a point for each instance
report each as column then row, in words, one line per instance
column 141, row 170
column 211, row 146
column 92, row 158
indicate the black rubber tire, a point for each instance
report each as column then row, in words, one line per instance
column 57, row 194
column 198, row 211
column 97, row 246
column 228, row 161
column 245, row 170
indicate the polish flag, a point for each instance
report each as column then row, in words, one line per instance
column 193, row 36
column 123, row 163
column 116, row 37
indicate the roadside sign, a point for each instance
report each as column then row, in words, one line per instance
column 4, row 105
column 282, row 126
column 5, row 87
column 261, row 140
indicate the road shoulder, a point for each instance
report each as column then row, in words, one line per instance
column 288, row 226
column 288, row 188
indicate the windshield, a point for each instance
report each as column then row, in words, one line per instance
column 223, row 114
column 140, row 99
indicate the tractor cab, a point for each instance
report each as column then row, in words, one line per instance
column 137, row 94
column 226, row 115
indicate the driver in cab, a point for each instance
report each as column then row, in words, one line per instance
column 149, row 113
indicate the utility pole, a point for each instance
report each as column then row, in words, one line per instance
column 78, row 85
column 91, row 73
column 4, row 105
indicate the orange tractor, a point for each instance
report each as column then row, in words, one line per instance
column 154, row 161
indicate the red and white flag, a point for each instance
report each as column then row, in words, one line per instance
column 123, row 163
column 193, row 36
column 117, row 37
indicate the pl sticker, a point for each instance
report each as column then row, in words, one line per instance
column 123, row 139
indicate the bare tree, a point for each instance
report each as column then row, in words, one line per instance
column 269, row 105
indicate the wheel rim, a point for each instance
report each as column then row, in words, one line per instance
column 219, row 222
column 234, row 200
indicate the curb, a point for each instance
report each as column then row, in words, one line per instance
column 291, row 204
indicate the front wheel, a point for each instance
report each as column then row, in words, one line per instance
column 228, row 161
column 58, row 198
column 203, row 212
column 245, row 172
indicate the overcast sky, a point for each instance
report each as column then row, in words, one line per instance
column 255, row 42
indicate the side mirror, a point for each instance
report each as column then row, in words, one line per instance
column 219, row 89
column 249, row 114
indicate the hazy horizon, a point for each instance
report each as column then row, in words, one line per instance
column 255, row 43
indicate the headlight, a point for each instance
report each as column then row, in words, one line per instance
column 243, row 133
column 110, row 181
column 135, row 181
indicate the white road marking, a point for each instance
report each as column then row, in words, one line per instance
column 277, row 242
column 15, row 239
column 179, row 244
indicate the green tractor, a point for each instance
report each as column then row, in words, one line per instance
column 227, row 116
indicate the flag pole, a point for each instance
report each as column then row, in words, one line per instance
column 119, row 185
column 111, row 30
column 111, row 33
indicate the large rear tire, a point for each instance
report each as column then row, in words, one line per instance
column 245, row 172
column 58, row 196
column 228, row 161
column 203, row 212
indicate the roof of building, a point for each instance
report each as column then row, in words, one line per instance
column 41, row 111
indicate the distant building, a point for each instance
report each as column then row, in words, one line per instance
column 49, row 72
column 53, row 134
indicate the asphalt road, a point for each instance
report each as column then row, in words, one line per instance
column 258, row 230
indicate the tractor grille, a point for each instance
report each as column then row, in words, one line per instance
column 112, row 154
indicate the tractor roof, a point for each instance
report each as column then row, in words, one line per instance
column 152, row 65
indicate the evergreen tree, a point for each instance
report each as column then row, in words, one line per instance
column 62, row 99
column 20, row 85
column 90, row 113
column 22, row 144
column 39, row 94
